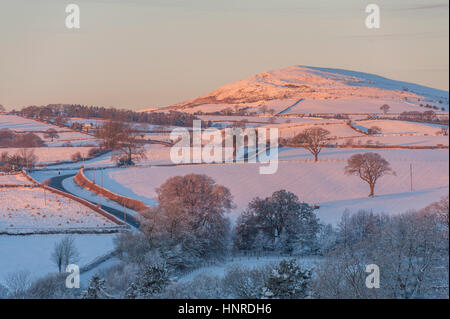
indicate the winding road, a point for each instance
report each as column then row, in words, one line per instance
column 57, row 183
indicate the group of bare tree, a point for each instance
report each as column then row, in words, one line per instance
column 410, row 250
column 370, row 167
column 22, row 159
column 124, row 140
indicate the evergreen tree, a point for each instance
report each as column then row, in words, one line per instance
column 287, row 281
column 96, row 289
column 152, row 279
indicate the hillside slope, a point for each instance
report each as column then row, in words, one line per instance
column 304, row 89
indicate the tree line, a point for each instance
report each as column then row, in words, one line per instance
column 60, row 113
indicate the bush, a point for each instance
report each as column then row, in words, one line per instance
column 9, row 138
column 52, row 286
column 94, row 152
column 245, row 283
column 77, row 157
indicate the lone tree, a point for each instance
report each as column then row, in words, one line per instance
column 369, row 167
column 65, row 253
column 190, row 219
column 385, row 108
column 51, row 133
column 96, row 289
column 313, row 140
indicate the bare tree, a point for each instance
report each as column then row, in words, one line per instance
column 28, row 158
column 124, row 140
column 130, row 147
column 51, row 133
column 313, row 140
column 385, row 108
column 369, row 167
column 18, row 284
column 65, row 253
column 110, row 132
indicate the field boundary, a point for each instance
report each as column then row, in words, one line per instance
column 56, row 231
column 130, row 203
column 403, row 147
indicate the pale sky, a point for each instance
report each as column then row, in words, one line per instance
column 145, row 53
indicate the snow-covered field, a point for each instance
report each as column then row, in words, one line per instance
column 402, row 127
column 396, row 140
column 21, row 124
column 33, row 253
column 322, row 183
column 34, row 209
column 51, row 155
column 155, row 154
column 336, row 129
column 14, row 179
column 74, row 138
column 265, row 119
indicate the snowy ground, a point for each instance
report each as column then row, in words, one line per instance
column 264, row 119
column 402, row 127
column 74, row 138
column 155, row 154
column 20, row 124
column 250, row 262
column 25, row 208
column 395, row 140
column 33, row 253
column 14, row 179
column 322, row 183
column 336, row 129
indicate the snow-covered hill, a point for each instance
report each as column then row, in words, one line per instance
column 304, row 89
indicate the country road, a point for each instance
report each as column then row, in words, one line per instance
column 57, row 183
